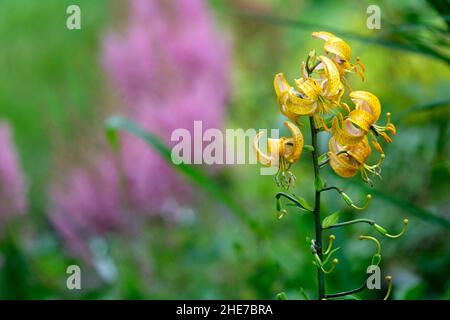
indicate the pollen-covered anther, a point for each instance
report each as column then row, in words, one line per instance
column 389, row 126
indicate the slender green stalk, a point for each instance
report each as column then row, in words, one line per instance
column 346, row 223
column 331, row 188
column 346, row 293
column 316, row 211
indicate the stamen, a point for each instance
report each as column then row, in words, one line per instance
column 359, row 63
column 324, row 125
column 386, row 137
column 346, row 107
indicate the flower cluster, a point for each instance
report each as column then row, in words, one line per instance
column 319, row 94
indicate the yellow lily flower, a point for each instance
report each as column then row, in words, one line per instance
column 291, row 103
column 282, row 152
column 311, row 96
column 347, row 161
column 361, row 121
column 287, row 150
column 341, row 53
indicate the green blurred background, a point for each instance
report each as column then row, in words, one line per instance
column 54, row 93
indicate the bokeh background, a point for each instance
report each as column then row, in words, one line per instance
column 140, row 229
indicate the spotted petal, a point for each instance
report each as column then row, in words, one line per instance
column 361, row 118
column 272, row 148
column 333, row 78
column 348, row 134
column 334, row 45
column 368, row 102
column 294, row 146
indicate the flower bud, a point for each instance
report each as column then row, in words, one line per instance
column 380, row 229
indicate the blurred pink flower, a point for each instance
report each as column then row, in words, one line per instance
column 170, row 66
column 90, row 202
column 13, row 190
column 170, row 49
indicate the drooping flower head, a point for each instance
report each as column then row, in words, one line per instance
column 282, row 152
column 361, row 121
column 348, row 160
column 340, row 53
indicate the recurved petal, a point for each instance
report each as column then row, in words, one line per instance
column 361, row 118
column 280, row 84
column 334, row 45
column 338, row 47
column 284, row 110
column 324, row 35
column 337, row 97
column 309, row 87
column 334, row 146
column 348, row 135
column 306, row 108
column 343, row 165
column 360, row 151
column 333, row 78
column 367, row 101
column 264, row 159
column 294, row 145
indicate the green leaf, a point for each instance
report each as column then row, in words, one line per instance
column 331, row 219
column 281, row 296
column 303, row 202
column 322, row 158
column 308, row 147
column 196, row 175
column 318, row 183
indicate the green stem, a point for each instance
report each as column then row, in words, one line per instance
column 316, row 211
column 331, row 188
column 346, row 223
column 346, row 293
